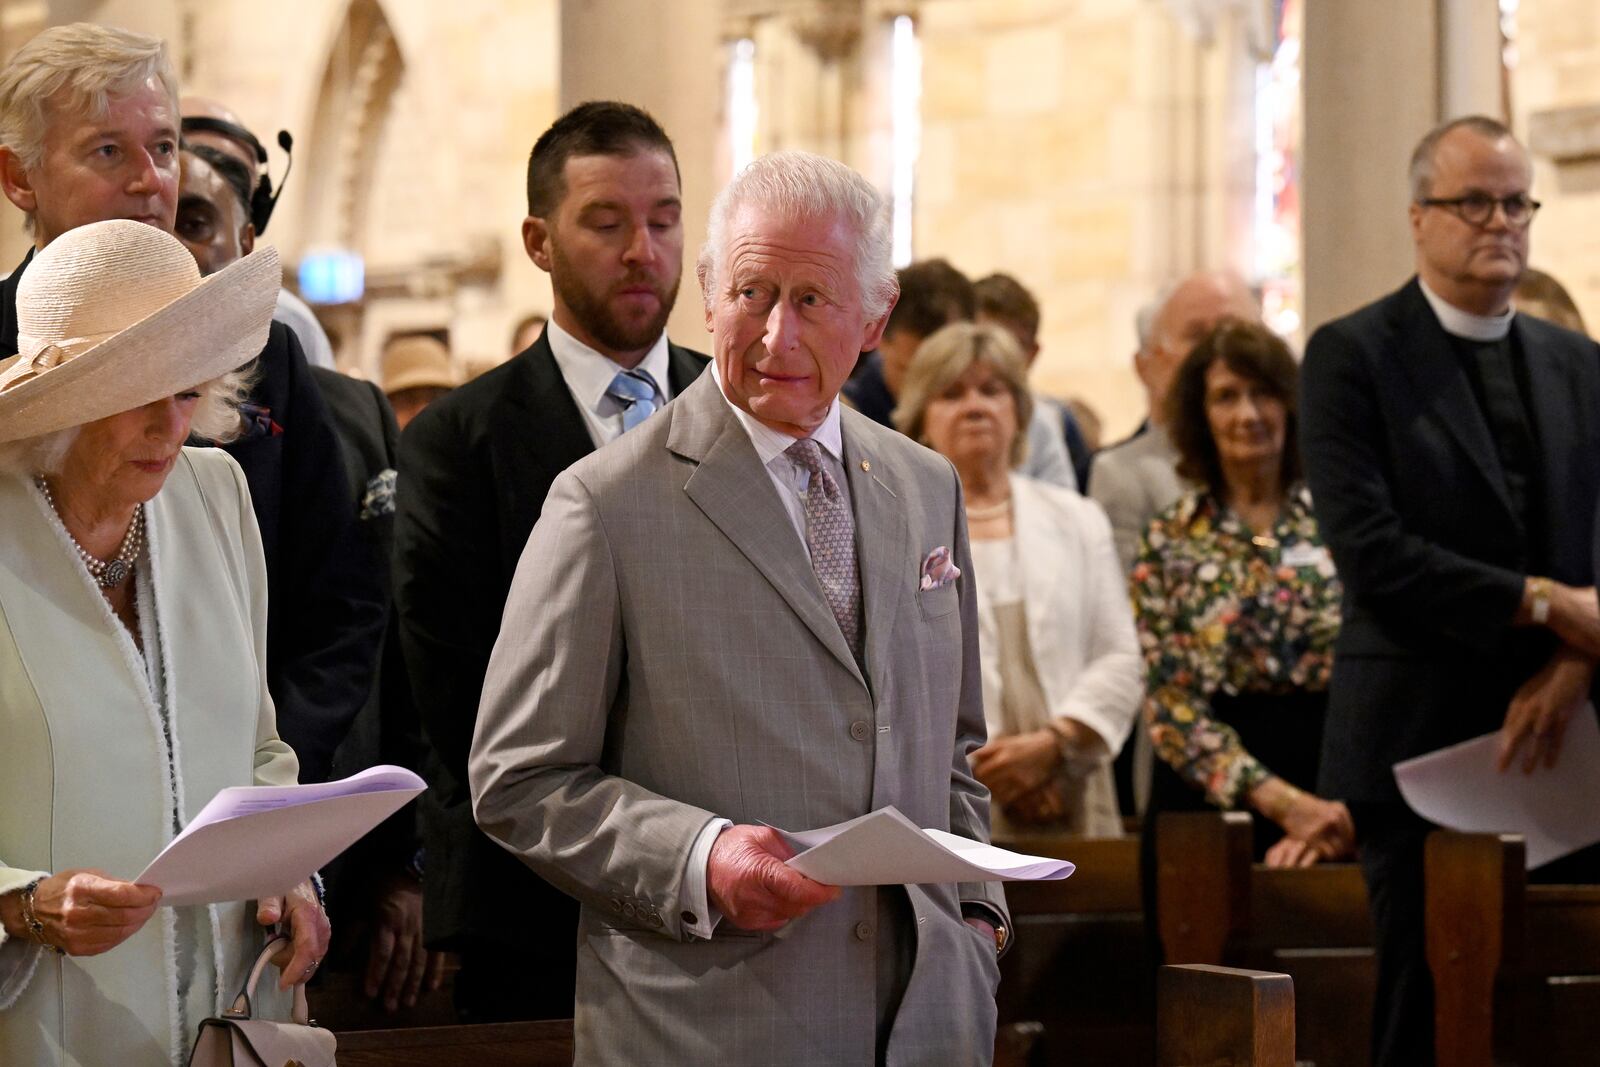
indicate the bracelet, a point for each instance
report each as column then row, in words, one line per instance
column 30, row 920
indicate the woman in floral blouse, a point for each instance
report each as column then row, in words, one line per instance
column 1237, row 606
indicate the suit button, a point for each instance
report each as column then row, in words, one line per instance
column 655, row 918
column 616, row 904
column 859, row 730
column 628, row 910
column 863, row 931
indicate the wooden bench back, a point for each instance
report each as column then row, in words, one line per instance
column 530, row 1044
column 1072, row 935
column 1224, row 1017
column 1216, row 906
column 1516, row 967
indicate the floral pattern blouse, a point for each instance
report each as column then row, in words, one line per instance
column 1221, row 609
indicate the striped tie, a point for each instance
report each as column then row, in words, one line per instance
column 635, row 390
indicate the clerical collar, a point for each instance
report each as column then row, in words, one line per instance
column 1465, row 324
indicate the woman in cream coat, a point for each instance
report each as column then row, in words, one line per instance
column 132, row 647
column 1061, row 667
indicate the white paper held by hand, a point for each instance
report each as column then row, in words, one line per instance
column 886, row 848
column 1555, row 809
column 262, row 840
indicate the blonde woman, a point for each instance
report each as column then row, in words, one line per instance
column 1061, row 667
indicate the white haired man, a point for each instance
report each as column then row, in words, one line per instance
column 813, row 657
column 1138, row 479
column 89, row 132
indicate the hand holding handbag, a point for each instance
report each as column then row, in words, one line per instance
column 236, row 1039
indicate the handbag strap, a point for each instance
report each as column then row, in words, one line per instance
column 244, row 1003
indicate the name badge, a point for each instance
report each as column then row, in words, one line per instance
column 1305, row 554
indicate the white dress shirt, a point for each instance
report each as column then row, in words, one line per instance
column 792, row 482
column 588, row 375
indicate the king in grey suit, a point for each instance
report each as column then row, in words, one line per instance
column 670, row 675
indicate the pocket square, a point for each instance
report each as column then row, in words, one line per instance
column 938, row 569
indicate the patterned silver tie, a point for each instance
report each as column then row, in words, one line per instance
column 831, row 537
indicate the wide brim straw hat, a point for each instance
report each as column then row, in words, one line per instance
column 416, row 363
column 114, row 315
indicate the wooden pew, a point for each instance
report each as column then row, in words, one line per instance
column 1079, row 965
column 1516, row 967
column 531, row 1044
column 1223, row 1017
column 1217, row 907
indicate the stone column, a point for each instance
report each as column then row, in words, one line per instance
column 1372, row 88
column 1471, row 79
column 666, row 59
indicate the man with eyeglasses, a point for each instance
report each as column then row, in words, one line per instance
column 1453, row 450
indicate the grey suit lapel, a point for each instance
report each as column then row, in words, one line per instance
column 881, row 542
column 736, row 493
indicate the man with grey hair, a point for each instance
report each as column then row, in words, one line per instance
column 1138, row 479
column 1454, row 453
column 89, row 132
column 650, row 715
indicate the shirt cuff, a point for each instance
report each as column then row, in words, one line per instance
column 699, row 917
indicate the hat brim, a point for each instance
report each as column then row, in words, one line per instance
column 420, row 379
column 216, row 327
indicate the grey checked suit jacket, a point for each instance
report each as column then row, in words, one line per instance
column 666, row 657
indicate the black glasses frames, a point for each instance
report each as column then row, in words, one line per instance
column 1478, row 208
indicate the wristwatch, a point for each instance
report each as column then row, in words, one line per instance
column 1539, row 610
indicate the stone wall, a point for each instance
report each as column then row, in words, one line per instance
column 1558, row 70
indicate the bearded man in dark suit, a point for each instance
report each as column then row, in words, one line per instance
column 604, row 220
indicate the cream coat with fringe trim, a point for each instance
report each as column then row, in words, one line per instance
column 84, row 779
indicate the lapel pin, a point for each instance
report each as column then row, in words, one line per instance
column 866, row 466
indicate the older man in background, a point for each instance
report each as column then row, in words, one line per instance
column 66, row 162
column 1138, row 479
column 755, row 612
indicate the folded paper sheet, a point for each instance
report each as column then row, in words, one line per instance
column 1555, row 809
column 886, row 848
column 263, row 840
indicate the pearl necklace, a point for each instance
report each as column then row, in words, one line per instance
column 107, row 573
column 990, row 511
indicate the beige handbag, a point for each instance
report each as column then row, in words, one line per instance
column 238, row 1040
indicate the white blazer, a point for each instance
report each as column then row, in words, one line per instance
column 1080, row 621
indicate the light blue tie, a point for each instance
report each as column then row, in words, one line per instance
column 635, row 390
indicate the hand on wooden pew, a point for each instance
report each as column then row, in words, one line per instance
column 1323, row 827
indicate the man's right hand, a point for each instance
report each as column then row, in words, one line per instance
column 749, row 882
column 85, row 912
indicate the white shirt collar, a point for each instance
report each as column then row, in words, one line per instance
column 1464, row 323
column 771, row 443
column 588, row 373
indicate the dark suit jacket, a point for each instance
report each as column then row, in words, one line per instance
column 326, row 601
column 867, row 391
column 386, row 729
column 8, row 307
column 475, row 466
column 1412, row 501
